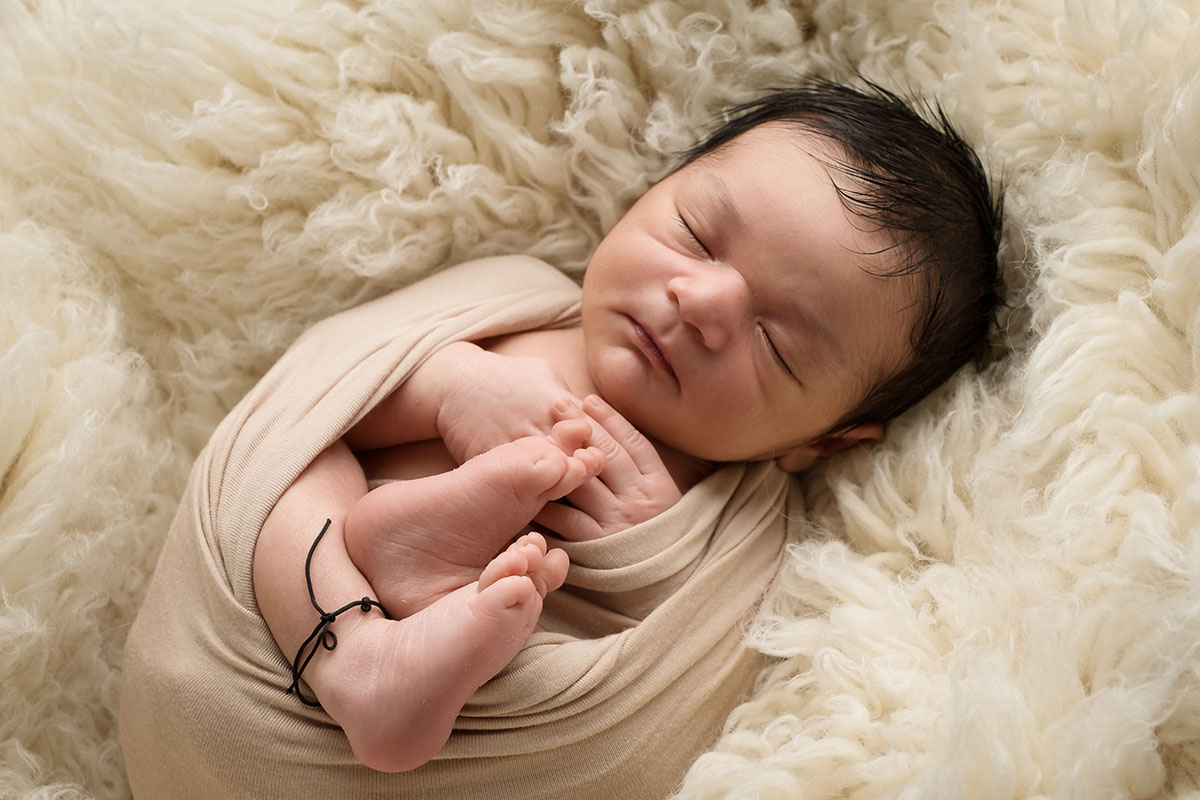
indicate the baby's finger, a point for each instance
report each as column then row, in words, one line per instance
column 582, row 466
column 620, row 472
column 568, row 523
column 568, row 407
column 593, row 460
column 572, row 434
column 643, row 454
column 595, row 498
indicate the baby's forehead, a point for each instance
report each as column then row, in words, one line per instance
column 777, row 143
column 805, row 160
column 788, row 165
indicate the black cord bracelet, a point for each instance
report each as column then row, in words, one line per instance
column 322, row 636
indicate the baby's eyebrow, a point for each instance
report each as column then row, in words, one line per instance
column 718, row 192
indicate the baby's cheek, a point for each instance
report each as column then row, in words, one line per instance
column 619, row 378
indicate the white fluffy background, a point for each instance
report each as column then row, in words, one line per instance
column 1003, row 601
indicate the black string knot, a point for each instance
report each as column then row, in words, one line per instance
column 322, row 636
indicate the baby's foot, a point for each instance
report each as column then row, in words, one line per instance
column 416, row 541
column 397, row 686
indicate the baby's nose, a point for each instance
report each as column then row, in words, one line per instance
column 714, row 301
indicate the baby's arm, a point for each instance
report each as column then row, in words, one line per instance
column 409, row 414
column 471, row 399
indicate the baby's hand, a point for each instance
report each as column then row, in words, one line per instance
column 633, row 486
column 491, row 399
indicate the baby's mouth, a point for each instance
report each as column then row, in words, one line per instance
column 651, row 348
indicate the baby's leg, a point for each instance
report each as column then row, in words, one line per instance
column 395, row 686
column 418, row 540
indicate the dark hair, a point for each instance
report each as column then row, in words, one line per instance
column 912, row 175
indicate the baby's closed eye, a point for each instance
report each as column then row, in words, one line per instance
column 693, row 239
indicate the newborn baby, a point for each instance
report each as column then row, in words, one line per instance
column 780, row 296
column 813, row 268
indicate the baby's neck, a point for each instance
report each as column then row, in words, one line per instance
column 564, row 349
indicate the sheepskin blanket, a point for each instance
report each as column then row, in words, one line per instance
column 1002, row 600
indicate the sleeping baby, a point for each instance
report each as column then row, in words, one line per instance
column 812, row 269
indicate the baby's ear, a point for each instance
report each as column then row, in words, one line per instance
column 804, row 456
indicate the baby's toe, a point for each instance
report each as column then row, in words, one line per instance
column 513, row 562
column 512, row 600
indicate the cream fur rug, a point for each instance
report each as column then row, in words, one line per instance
column 1003, row 601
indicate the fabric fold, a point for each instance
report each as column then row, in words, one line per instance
column 640, row 660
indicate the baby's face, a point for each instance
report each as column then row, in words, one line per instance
column 730, row 313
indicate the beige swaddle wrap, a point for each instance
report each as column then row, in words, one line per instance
column 641, row 660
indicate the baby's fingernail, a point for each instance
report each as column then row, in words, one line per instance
column 594, row 400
